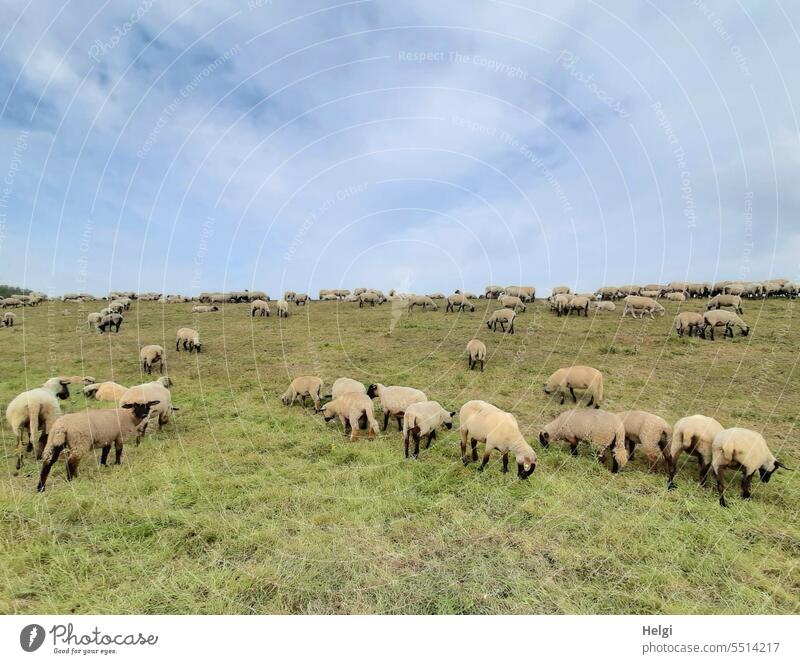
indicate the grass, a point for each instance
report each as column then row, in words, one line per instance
column 242, row 505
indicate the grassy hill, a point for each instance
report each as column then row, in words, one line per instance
column 242, row 505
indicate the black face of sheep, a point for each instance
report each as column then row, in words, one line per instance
column 141, row 410
column 745, row 331
column 63, row 393
column 198, row 347
column 544, row 438
column 372, row 391
column 525, row 474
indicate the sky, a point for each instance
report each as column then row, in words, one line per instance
column 186, row 146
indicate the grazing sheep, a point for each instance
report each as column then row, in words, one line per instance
column 689, row 322
column 259, row 307
column 110, row 321
column 603, row 430
column 482, row 422
column 327, row 296
column 459, row 301
column 476, row 352
column 743, row 449
column 676, row 297
column 343, row 386
column 369, row 297
column 204, row 309
column 493, row 292
column 560, row 303
column 604, row 305
column 502, row 317
column 35, row 411
column 105, row 391
column 93, row 319
column 722, row 318
column 116, row 306
column 512, row 302
column 607, row 293
column 157, row 390
column 578, row 303
column 642, row 305
column 693, row 434
column 289, row 296
column 283, row 308
column 394, row 401
column 580, row 377
column 719, row 301
column 301, row 298
column 560, row 290
column 630, row 290
column 524, row 293
column 650, row 293
column 105, row 311
column 422, row 301
column 9, row 318
column 304, row 386
column 422, row 419
column 151, row 354
column 11, row 302
column 189, row 338
column 648, row 431
column 355, row 411
column 78, row 433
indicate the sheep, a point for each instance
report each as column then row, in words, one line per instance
column 105, row 391
column 437, row 296
column 560, row 303
column 630, row 290
column 358, row 291
column 105, row 311
column 34, row 411
column 301, row 298
column 86, row 380
column 719, row 301
column 157, row 390
column 738, row 289
column 693, row 434
column 151, row 354
column 676, row 297
column 642, row 305
column 110, row 321
column 744, row 449
column 422, row 419
column 460, row 302
column 652, row 293
column 370, row 297
column 602, row 429
column 341, row 293
column 482, row 422
column 343, row 386
column 476, row 352
column 689, row 322
column 394, row 401
column 422, row 301
column 93, row 319
column 204, row 309
column 189, row 338
column 502, row 317
column 560, row 290
column 524, row 293
column 726, row 319
column 650, row 432
column 116, row 306
column 80, row 432
column 354, row 410
column 579, row 303
column 327, row 296
column 512, row 302
column 493, row 292
column 607, row 293
column 283, row 308
column 9, row 318
column 11, row 302
column 580, row 377
column 289, row 296
column 304, row 386
column 260, row 308
column 604, row 305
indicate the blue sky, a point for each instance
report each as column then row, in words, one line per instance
column 186, row 146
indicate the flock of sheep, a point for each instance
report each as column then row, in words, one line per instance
column 50, row 433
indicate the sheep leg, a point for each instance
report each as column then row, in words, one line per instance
column 118, row 451
column 386, row 420
column 405, row 443
column 177, row 345
column 431, row 436
column 671, row 467
column 104, row 454
column 20, row 436
column 485, row 461
column 511, row 329
column 573, row 449
column 474, row 444
column 482, row 363
column 464, row 459
column 400, row 421
column 704, row 468
column 416, row 444
column 505, row 462
column 46, row 466
column 631, row 446
column 72, row 468
column 746, row 480
column 719, row 475
column 572, row 394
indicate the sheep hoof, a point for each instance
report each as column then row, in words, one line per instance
column 671, row 486
column 40, row 488
column 722, row 502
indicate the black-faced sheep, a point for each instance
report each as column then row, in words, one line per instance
column 422, row 301
column 460, row 302
column 34, row 412
column 603, row 430
column 108, row 322
column 731, row 301
column 157, row 390
column 502, row 317
column 304, row 386
column 725, row 319
column 693, row 434
column 105, row 391
column 259, row 308
column 204, row 309
column 643, row 306
column 650, row 432
column 689, row 322
column 422, row 419
column 283, row 308
column 151, row 355
column 476, row 352
column 395, row 399
column 355, row 411
column 189, row 338
column 577, row 377
column 579, row 303
column 512, row 302
column 9, row 319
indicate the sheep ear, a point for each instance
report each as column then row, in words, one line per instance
column 452, row 413
column 150, row 404
column 127, row 405
column 778, row 464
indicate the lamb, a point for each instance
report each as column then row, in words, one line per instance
column 34, row 411
column 512, row 302
column 354, row 410
column 304, row 386
column 693, row 434
column 483, row 422
column 579, row 303
column 602, row 429
column 676, row 297
column 650, row 432
column 204, row 309
column 157, row 390
column 301, row 298
column 580, row 377
column 9, row 318
column 93, row 319
column 343, row 386
column 744, row 449
column 395, row 399
column 283, row 308
column 151, row 354
column 189, row 338
column 109, row 321
column 422, row 301
column 689, row 322
column 642, row 305
column 105, row 391
column 476, row 352
column 460, row 302
column 726, row 319
column 502, row 317
column 422, row 419
column 80, row 432
column 560, row 303
column 259, row 307
column 719, row 301
column 604, row 305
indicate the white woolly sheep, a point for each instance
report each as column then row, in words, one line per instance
column 189, row 338
column 512, row 302
column 34, row 412
column 577, row 377
column 482, row 422
column 603, row 430
column 559, row 303
column 283, row 308
column 579, row 303
column 204, row 309
column 725, row 319
column 422, row 419
column 460, row 302
column 722, row 300
column 689, row 322
column 422, row 301
column 675, row 297
column 560, row 290
column 93, row 319
column 650, row 432
column 259, row 307
column 476, row 352
column 9, row 319
column 301, row 298
column 108, row 322
column 105, row 391
column 370, row 297
column 151, row 354
column 604, row 305
column 642, row 305
column 78, row 433
column 394, row 401
column 289, row 296
column 502, row 317
column 344, row 385
column 694, row 435
column 524, row 293
column 355, row 411
column 304, row 386
column 157, row 390
column 493, row 292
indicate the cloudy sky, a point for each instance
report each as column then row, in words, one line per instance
column 423, row 145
